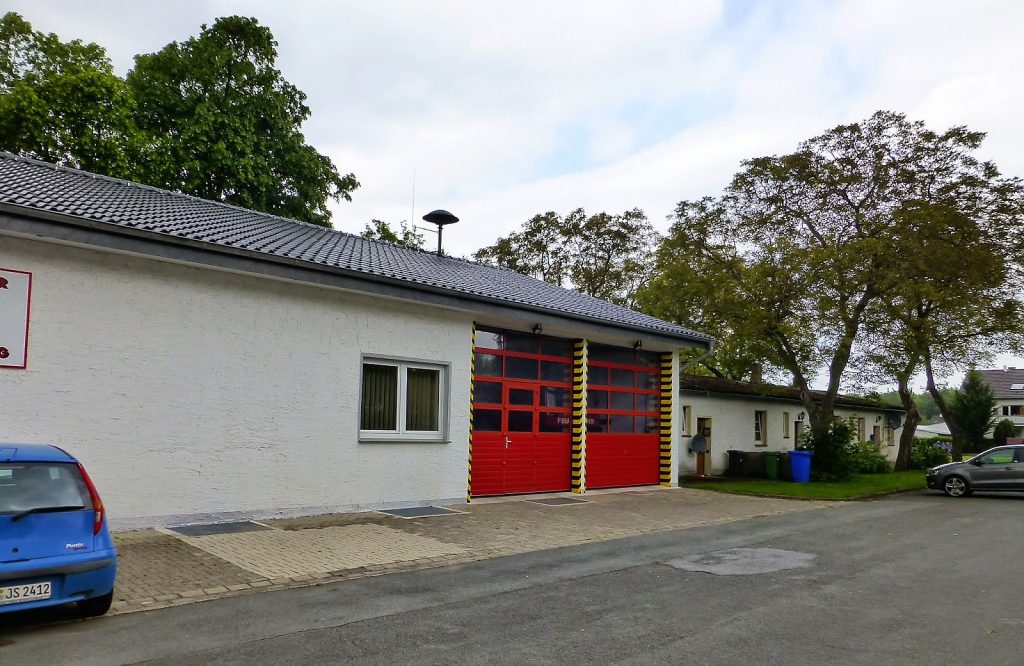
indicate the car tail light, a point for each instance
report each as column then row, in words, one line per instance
column 97, row 503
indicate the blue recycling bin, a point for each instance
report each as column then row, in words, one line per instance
column 800, row 465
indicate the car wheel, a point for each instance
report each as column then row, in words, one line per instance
column 956, row 486
column 95, row 606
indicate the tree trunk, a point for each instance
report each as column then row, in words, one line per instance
column 957, row 453
column 909, row 425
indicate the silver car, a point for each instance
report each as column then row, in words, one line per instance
column 1001, row 468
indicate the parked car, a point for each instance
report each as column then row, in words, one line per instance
column 55, row 546
column 1000, row 468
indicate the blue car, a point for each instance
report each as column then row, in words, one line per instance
column 55, row 547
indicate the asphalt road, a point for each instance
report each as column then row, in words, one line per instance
column 912, row 579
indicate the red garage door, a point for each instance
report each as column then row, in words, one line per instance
column 623, row 448
column 521, row 414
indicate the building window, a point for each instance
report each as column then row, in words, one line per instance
column 686, row 421
column 760, row 435
column 785, row 425
column 860, row 430
column 402, row 400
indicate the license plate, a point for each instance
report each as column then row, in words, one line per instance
column 17, row 594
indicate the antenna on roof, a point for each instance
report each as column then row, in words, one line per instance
column 440, row 218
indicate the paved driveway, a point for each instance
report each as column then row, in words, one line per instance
column 915, row 579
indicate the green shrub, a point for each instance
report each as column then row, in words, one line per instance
column 1003, row 429
column 831, row 460
column 866, row 459
column 929, row 452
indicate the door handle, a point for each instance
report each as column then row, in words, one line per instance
column 507, row 442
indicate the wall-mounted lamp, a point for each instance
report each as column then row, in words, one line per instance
column 637, row 345
column 537, row 329
column 878, row 418
column 800, row 416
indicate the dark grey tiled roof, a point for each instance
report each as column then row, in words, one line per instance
column 38, row 186
column 772, row 392
column 1001, row 382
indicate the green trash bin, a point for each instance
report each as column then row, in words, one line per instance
column 771, row 464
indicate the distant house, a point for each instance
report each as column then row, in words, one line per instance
column 744, row 416
column 1008, row 386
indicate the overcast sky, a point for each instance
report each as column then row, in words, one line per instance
column 507, row 109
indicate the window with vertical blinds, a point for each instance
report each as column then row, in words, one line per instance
column 402, row 400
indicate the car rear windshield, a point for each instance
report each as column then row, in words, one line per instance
column 37, row 485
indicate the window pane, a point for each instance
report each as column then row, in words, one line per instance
column 423, row 394
column 620, row 423
column 487, row 392
column 648, row 425
column 622, row 378
column 597, row 399
column 623, row 356
column 597, row 423
column 648, row 380
column 552, row 422
column 488, row 365
column 520, row 421
column 554, row 371
column 520, row 397
column 521, row 342
column 489, row 340
column 646, row 403
column 622, row 401
column 521, row 368
column 649, row 359
column 561, row 348
column 380, row 397
column 551, row 396
column 598, row 353
column 25, row 486
column 597, row 376
column 486, row 420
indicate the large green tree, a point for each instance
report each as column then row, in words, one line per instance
column 225, row 125
column 62, row 102
column 604, row 255
column 211, row 116
column 802, row 248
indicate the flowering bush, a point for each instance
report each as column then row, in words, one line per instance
column 929, row 452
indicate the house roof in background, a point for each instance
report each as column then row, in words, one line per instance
column 1003, row 381
column 34, row 189
column 721, row 385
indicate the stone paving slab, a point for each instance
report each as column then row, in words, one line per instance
column 158, row 569
column 280, row 553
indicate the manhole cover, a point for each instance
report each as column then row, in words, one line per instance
column 218, row 528
column 744, row 561
column 420, row 512
column 558, row 501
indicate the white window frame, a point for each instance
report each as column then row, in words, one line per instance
column 401, row 434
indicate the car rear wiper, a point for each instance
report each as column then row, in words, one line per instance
column 44, row 509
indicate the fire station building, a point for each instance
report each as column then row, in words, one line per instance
column 208, row 362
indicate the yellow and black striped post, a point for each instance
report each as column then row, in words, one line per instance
column 579, row 417
column 665, row 458
column 472, row 378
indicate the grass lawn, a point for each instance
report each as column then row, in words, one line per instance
column 863, row 485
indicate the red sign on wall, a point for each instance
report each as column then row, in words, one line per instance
column 15, row 301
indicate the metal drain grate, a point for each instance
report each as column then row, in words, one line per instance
column 420, row 512
column 558, row 501
column 218, row 528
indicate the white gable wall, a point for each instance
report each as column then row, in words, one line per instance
column 193, row 394
column 733, row 427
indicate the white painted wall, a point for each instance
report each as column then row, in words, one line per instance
column 193, row 394
column 733, row 427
